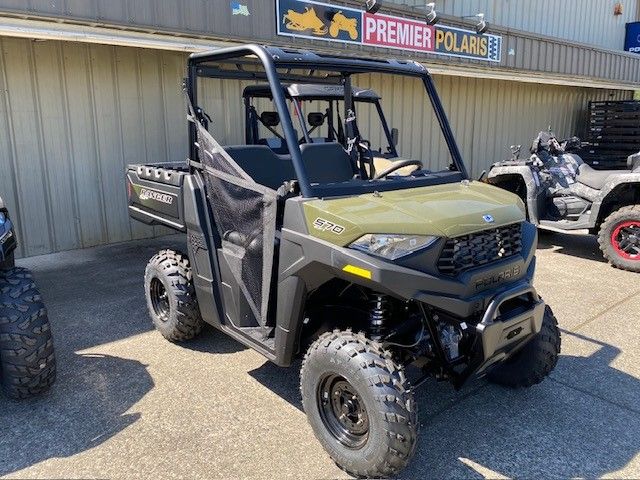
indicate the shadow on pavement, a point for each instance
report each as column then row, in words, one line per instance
column 214, row 341
column 575, row 245
column 284, row 382
column 86, row 407
column 96, row 296
column 582, row 422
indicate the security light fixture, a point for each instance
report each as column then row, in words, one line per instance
column 432, row 15
column 372, row 6
column 482, row 26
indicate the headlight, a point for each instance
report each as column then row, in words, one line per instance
column 3, row 219
column 392, row 246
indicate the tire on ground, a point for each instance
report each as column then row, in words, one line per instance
column 27, row 360
column 535, row 361
column 384, row 391
column 170, row 271
column 624, row 214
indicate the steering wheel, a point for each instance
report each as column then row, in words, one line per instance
column 398, row 166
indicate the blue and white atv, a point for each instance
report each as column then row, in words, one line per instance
column 27, row 360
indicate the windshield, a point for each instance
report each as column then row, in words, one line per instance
column 343, row 142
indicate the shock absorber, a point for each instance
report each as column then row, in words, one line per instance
column 378, row 315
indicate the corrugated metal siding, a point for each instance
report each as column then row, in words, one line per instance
column 529, row 52
column 72, row 116
column 584, row 21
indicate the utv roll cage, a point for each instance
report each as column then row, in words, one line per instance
column 240, row 63
column 301, row 92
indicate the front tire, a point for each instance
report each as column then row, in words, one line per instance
column 619, row 238
column 359, row 405
column 535, row 361
column 171, row 297
column 27, row 360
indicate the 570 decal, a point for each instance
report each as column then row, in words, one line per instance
column 327, row 226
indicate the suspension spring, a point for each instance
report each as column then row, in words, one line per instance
column 377, row 316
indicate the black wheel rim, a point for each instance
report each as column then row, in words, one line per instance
column 342, row 411
column 159, row 300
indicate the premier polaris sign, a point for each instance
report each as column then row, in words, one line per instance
column 310, row 19
column 386, row 31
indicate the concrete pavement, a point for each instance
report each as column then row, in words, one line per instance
column 129, row 404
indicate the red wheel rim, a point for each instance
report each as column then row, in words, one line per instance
column 625, row 239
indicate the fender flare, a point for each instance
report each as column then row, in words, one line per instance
column 614, row 182
column 531, row 180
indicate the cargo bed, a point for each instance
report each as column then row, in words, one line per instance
column 155, row 193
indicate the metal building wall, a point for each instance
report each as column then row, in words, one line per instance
column 73, row 115
column 583, row 21
column 524, row 53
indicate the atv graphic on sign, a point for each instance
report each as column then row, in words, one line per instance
column 341, row 22
column 308, row 20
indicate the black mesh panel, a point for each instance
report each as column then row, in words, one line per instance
column 245, row 217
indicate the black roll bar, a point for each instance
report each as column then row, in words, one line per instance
column 272, row 58
column 278, row 99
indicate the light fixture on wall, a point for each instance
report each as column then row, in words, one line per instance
column 432, row 16
column 372, row 6
column 482, row 26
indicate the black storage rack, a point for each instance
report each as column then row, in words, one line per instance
column 613, row 133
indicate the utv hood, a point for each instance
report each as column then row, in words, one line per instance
column 448, row 210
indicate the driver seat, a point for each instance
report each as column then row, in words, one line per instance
column 594, row 178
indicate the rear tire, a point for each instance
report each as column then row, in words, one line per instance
column 612, row 230
column 359, row 405
column 27, row 360
column 535, row 361
column 171, row 297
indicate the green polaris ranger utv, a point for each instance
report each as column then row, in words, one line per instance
column 377, row 279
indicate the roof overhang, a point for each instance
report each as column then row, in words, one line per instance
column 97, row 34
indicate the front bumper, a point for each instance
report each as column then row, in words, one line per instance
column 512, row 318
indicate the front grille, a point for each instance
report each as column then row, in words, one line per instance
column 469, row 251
